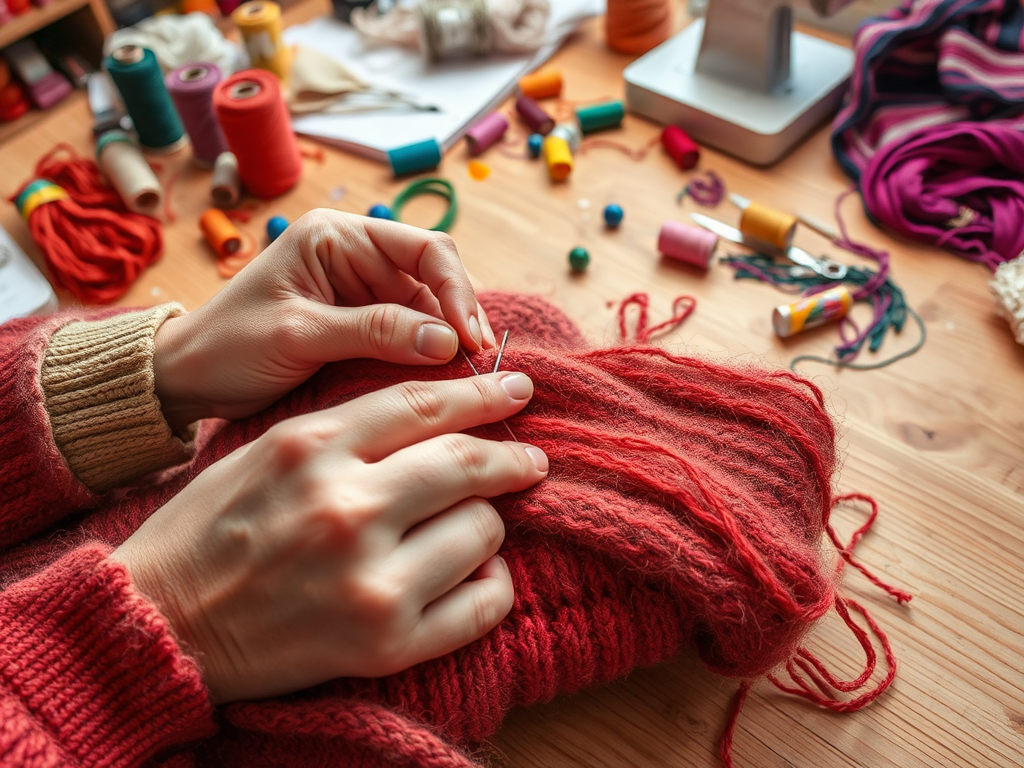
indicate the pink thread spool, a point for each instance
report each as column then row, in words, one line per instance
column 683, row 150
column 191, row 87
column 486, row 132
column 536, row 119
column 688, row 244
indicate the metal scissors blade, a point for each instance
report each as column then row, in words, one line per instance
column 824, row 266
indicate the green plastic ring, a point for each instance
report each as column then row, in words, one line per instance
column 432, row 186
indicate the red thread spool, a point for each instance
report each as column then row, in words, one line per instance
column 689, row 244
column 683, row 150
column 255, row 122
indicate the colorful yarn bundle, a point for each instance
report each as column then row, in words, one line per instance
column 931, row 126
column 687, row 507
column 255, row 122
column 92, row 244
column 958, row 187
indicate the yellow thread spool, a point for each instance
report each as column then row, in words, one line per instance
column 558, row 157
column 542, row 84
column 767, row 224
column 260, row 24
column 220, row 232
column 812, row 311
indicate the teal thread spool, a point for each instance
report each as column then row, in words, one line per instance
column 597, row 117
column 414, row 158
column 137, row 76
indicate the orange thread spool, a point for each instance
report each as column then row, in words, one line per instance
column 768, row 224
column 220, row 232
column 636, row 26
column 545, row 83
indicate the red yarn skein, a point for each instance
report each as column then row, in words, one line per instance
column 93, row 246
column 252, row 114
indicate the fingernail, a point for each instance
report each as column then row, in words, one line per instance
column 436, row 341
column 501, row 560
column 518, row 386
column 474, row 329
column 540, row 459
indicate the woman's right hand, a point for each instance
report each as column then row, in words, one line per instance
column 355, row 541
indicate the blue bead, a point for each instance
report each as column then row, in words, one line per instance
column 613, row 215
column 533, row 144
column 275, row 226
column 381, row 211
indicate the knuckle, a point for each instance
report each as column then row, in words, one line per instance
column 487, row 393
column 381, row 325
column 291, row 330
column 443, row 241
column 341, row 515
column 488, row 525
column 424, row 400
column 485, row 611
column 466, row 453
column 375, row 598
column 292, row 443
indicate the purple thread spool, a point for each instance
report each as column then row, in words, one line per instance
column 486, row 132
column 536, row 119
column 689, row 244
column 191, row 87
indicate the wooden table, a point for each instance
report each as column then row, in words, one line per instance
column 936, row 438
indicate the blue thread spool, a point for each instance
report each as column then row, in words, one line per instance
column 138, row 78
column 414, row 158
column 533, row 145
column 579, row 259
column 597, row 117
column 613, row 215
column 380, row 211
column 276, row 225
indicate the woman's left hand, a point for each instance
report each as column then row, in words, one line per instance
column 334, row 286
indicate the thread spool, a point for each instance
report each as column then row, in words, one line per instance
column 220, row 232
column 255, row 122
column 637, row 26
column 545, row 83
column 260, row 24
column 688, row 244
column 536, row 119
column 225, row 186
column 683, row 150
column 812, row 311
column 769, row 225
column 486, row 132
column 121, row 162
column 570, row 133
column 597, row 117
column 191, row 88
column 137, row 75
column 558, row 157
column 413, row 158
column 455, row 29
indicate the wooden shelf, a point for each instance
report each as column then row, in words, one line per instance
column 35, row 19
column 33, row 116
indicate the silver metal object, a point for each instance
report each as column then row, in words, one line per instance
column 824, row 266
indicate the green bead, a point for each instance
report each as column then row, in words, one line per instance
column 579, row 259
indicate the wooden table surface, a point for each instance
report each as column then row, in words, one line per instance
column 937, row 439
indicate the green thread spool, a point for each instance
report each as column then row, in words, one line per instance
column 414, row 158
column 597, row 117
column 439, row 187
column 138, row 78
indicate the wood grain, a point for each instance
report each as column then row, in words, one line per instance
column 936, row 438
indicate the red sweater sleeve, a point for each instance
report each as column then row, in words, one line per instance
column 36, row 485
column 90, row 674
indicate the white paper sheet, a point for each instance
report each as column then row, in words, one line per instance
column 463, row 91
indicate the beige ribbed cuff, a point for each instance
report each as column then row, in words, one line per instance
column 97, row 380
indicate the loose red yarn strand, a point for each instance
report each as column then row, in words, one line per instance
column 681, row 309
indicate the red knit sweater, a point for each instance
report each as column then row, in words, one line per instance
column 685, row 508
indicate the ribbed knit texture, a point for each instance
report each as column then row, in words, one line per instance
column 685, row 508
column 97, row 380
column 89, row 673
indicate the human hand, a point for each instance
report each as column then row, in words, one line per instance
column 334, row 286
column 350, row 542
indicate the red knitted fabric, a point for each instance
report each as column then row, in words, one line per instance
column 686, row 506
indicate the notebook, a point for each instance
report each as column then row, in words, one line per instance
column 23, row 289
column 462, row 91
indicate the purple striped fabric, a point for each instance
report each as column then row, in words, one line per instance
column 932, row 128
column 928, row 63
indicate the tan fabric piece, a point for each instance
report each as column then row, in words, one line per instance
column 97, row 379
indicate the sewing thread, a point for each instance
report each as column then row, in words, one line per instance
column 191, row 87
column 123, row 165
column 260, row 24
column 137, row 76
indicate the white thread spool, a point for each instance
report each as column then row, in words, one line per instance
column 570, row 133
column 454, row 29
column 122, row 163
column 225, row 186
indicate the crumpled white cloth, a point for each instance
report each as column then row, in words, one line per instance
column 178, row 40
column 1008, row 287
